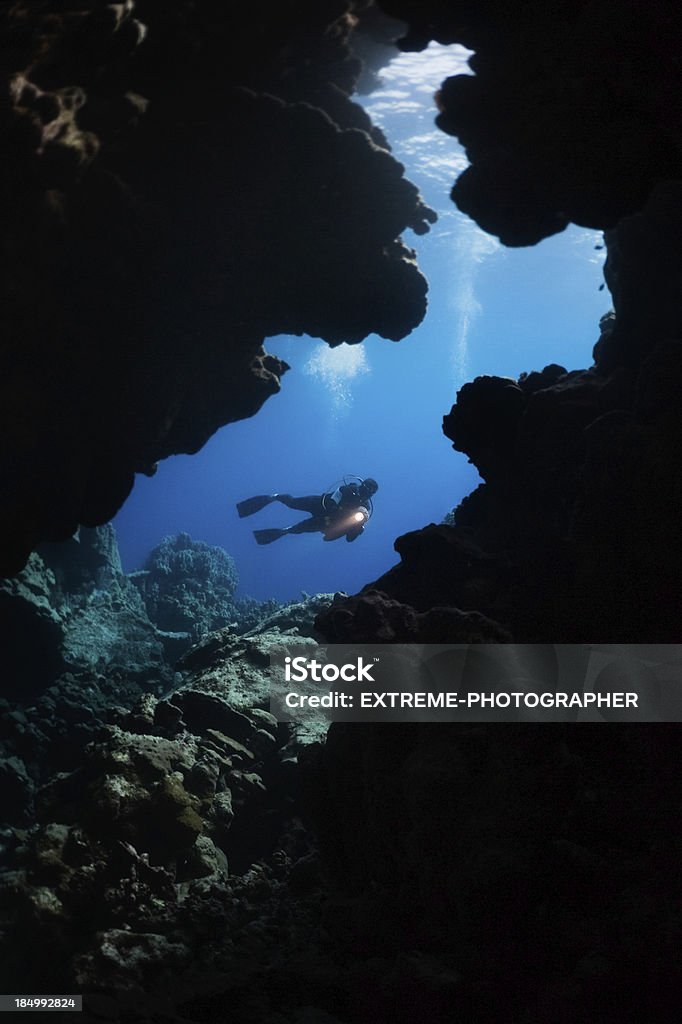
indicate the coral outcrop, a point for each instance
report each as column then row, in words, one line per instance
column 188, row 586
column 124, row 874
column 574, row 532
column 73, row 610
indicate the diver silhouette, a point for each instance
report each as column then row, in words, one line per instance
column 341, row 512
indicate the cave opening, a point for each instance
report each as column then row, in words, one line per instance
column 375, row 408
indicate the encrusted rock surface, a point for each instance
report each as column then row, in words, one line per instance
column 236, row 668
column 122, row 885
column 74, row 610
column 188, row 586
column 147, row 846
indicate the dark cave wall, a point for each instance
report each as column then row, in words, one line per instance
column 527, row 856
column 573, row 115
column 185, row 180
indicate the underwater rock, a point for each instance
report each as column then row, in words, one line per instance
column 188, row 589
column 206, row 859
column 580, row 504
column 374, row 617
column 471, row 835
column 484, row 422
column 225, row 649
column 88, row 560
column 296, row 618
column 110, row 629
column 17, row 790
column 188, row 586
column 125, row 839
column 231, row 668
column 570, row 134
column 231, row 671
column 73, row 610
column 643, row 262
column 204, row 711
column 31, row 630
column 124, row 959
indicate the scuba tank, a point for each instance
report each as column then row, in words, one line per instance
column 332, row 496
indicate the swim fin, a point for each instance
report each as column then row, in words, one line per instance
column 267, row 536
column 252, row 505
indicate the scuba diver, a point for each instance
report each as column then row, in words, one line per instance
column 340, row 512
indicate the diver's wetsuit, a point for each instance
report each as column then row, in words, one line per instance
column 323, row 509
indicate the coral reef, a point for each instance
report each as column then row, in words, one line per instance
column 236, row 667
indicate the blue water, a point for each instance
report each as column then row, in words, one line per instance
column 376, row 409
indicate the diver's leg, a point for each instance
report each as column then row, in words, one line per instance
column 311, row 503
column 312, row 525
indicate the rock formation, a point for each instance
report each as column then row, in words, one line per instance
column 571, row 116
column 149, row 846
column 74, row 610
column 188, row 586
column 492, row 836
column 183, row 184
column 574, row 532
